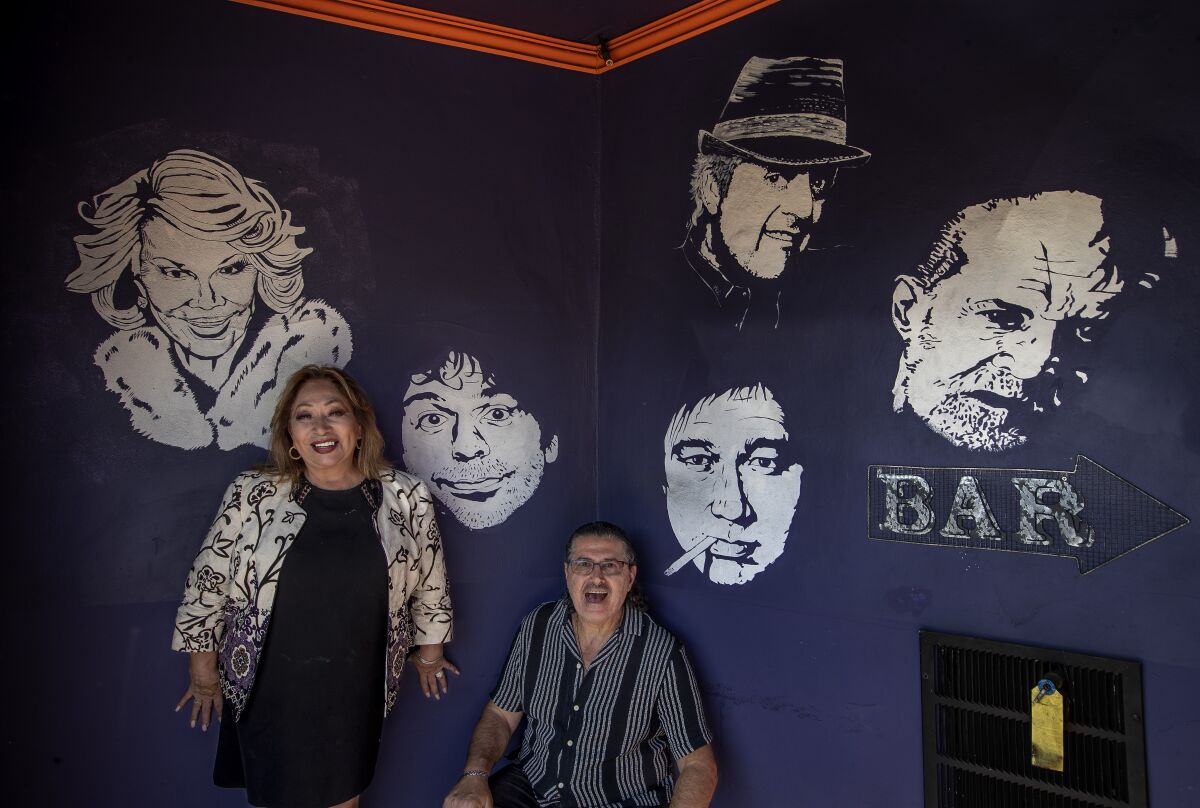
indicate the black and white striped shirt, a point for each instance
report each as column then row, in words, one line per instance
column 601, row 739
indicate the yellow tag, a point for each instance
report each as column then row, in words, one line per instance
column 1047, row 730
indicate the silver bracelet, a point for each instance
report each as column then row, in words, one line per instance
column 473, row 773
column 425, row 661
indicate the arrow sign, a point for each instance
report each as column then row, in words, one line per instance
column 1089, row 513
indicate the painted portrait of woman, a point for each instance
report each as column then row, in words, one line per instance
column 211, row 265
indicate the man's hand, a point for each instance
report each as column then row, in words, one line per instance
column 204, row 689
column 469, row 792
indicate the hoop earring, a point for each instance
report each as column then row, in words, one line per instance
column 358, row 445
column 295, row 456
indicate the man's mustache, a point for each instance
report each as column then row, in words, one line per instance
column 471, row 471
column 985, row 377
column 1036, row 394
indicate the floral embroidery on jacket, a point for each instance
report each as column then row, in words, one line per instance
column 399, row 641
column 231, row 588
column 245, row 635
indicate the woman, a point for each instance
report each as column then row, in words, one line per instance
column 307, row 655
column 198, row 245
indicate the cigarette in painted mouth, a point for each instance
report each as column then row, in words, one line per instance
column 697, row 548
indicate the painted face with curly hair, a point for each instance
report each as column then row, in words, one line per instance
column 478, row 449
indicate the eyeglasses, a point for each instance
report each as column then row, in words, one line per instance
column 584, row 566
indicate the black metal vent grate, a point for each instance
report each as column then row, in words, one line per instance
column 976, row 727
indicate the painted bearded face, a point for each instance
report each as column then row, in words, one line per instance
column 767, row 216
column 976, row 339
column 479, row 451
column 732, row 483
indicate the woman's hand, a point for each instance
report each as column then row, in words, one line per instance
column 204, row 689
column 431, row 668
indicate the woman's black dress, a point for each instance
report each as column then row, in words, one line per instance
column 309, row 735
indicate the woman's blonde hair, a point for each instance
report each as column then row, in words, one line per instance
column 368, row 457
column 202, row 196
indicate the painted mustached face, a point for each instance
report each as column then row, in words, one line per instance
column 200, row 292
column 479, row 451
column 323, row 429
column 975, row 340
column 732, row 483
column 767, row 215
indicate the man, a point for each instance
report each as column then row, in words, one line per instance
column 732, row 483
column 480, row 452
column 980, row 317
column 760, row 179
column 608, row 694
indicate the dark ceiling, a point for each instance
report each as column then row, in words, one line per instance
column 577, row 20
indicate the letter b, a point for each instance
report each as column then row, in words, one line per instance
column 907, row 506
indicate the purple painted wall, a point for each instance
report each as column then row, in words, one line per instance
column 812, row 666
column 454, row 199
column 448, row 200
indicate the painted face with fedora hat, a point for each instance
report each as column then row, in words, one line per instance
column 784, row 128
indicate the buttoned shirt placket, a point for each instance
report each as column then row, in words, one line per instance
column 573, row 710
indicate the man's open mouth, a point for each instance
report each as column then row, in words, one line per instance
column 479, row 490
column 787, row 237
column 593, row 596
column 741, row 552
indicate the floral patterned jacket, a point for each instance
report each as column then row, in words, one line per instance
column 231, row 588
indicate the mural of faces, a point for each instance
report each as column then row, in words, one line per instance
column 732, row 483
column 481, row 454
column 201, row 246
column 980, row 318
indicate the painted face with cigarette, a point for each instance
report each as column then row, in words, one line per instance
column 732, row 483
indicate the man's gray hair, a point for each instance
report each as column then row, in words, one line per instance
column 714, row 168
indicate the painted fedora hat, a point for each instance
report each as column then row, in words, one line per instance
column 789, row 112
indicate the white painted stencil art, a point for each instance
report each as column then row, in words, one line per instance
column 760, row 180
column 1007, row 285
column 468, row 437
column 218, row 321
column 732, row 483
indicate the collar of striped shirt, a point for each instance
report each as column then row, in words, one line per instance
column 631, row 625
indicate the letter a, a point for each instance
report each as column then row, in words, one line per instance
column 970, row 516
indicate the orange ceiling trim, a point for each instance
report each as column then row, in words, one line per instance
column 444, row 29
column 678, row 27
column 461, row 32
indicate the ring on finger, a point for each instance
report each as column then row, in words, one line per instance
column 439, row 675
